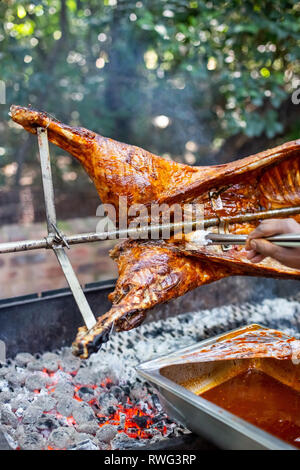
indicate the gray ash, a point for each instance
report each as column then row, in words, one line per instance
column 55, row 401
column 83, row 409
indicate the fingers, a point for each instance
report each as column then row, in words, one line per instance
column 261, row 248
column 255, row 257
column 270, row 227
column 258, row 248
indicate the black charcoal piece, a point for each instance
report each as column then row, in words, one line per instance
column 45, row 402
column 66, row 406
column 70, row 365
column 6, row 396
column 86, row 444
column 122, row 441
column 61, row 438
column 35, row 365
column 83, row 413
column 22, row 359
column 4, row 445
column 15, row 378
column 85, row 393
column 31, row 415
column 106, row 433
column 35, row 381
column 31, row 441
column 8, row 417
column 88, row 428
column 47, row 423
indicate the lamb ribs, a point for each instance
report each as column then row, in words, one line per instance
column 154, row 271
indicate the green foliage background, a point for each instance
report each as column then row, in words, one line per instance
column 222, row 71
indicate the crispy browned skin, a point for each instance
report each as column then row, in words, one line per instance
column 154, row 272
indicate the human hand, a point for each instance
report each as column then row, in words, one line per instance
column 258, row 248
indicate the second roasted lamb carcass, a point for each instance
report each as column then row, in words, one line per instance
column 155, row 271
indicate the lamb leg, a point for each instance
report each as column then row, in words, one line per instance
column 149, row 274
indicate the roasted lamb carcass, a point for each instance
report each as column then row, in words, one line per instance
column 155, row 271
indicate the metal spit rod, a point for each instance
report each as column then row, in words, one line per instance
column 54, row 234
column 286, row 240
column 51, row 240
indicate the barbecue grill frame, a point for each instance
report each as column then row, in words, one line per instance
column 202, row 416
column 47, row 321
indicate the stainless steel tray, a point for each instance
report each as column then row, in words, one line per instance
column 201, row 416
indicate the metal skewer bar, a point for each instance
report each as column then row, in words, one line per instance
column 285, row 240
column 48, row 242
column 55, row 235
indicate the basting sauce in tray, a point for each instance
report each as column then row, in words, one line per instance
column 261, row 400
